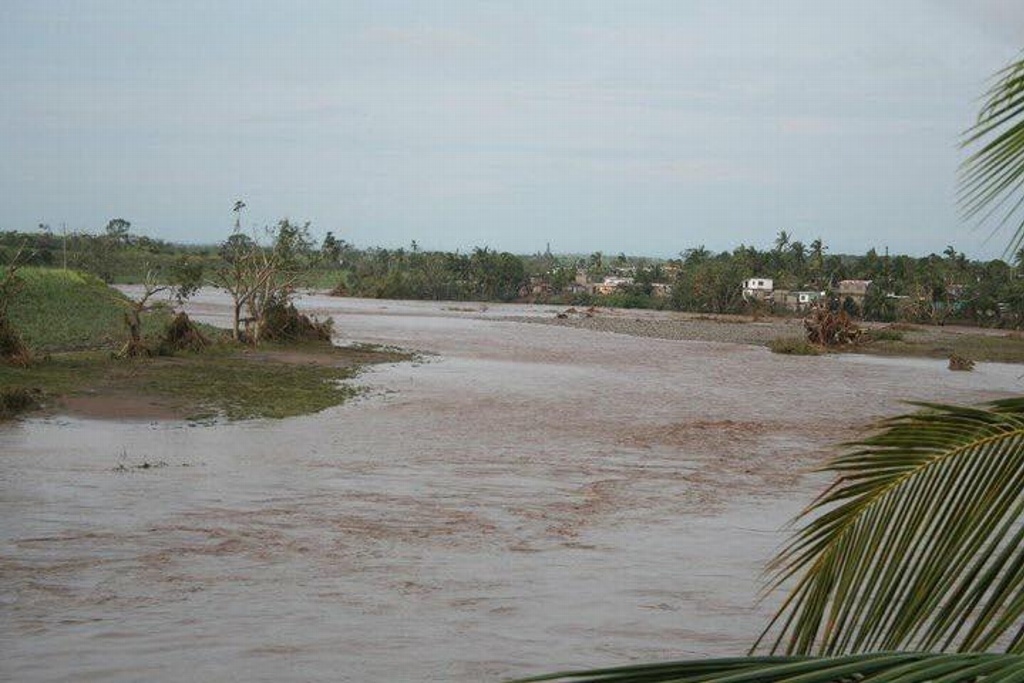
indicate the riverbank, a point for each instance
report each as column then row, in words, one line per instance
column 982, row 345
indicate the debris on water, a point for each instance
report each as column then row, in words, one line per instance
column 145, row 465
column 960, row 363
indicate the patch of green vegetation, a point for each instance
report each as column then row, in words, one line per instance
column 883, row 334
column 238, row 388
column 794, row 346
column 72, row 323
column 223, row 381
column 935, row 343
column 57, row 310
column 17, row 400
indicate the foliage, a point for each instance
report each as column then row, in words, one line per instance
column 259, row 277
column 794, row 346
column 918, row 544
column 960, row 363
column 64, row 310
column 285, row 323
column 183, row 282
column 182, row 334
column 828, row 327
column 884, row 334
column 12, row 347
column 864, row 668
column 17, row 400
column 223, row 381
column 935, row 288
column 412, row 274
column 993, row 176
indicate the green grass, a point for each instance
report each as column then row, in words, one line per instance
column 988, row 348
column 794, row 346
column 58, row 310
column 73, row 322
column 226, row 381
column 237, row 388
column 884, row 334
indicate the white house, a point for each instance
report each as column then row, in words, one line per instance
column 759, row 288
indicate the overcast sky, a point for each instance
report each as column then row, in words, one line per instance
column 637, row 127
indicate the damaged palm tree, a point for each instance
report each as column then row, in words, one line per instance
column 12, row 348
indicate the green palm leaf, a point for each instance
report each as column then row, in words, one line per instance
column 919, row 544
column 992, row 178
column 867, row 668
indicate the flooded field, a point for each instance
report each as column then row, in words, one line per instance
column 526, row 498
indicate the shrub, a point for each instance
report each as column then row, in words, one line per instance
column 15, row 400
column 884, row 334
column 961, row 363
column 182, row 335
column 794, row 346
column 285, row 323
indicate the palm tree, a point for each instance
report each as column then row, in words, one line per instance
column 992, row 178
column 919, row 543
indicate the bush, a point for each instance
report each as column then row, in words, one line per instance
column 182, row 335
column 960, row 363
column 285, row 323
column 12, row 348
column 15, row 400
column 884, row 334
column 794, row 346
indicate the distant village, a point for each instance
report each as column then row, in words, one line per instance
column 755, row 290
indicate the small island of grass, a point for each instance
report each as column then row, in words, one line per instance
column 73, row 328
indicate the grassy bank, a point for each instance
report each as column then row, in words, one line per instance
column 73, row 322
column 939, row 342
column 65, row 310
column 223, row 382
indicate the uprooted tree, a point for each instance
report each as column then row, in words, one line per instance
column 831, row 326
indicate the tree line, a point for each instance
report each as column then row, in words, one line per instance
column 937, row 288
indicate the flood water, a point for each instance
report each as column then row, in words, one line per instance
column 524, row 499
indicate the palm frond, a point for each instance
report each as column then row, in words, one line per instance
column 992, row 178
column 919, row 543
column 886, row 667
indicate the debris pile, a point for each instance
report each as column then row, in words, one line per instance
column 961, row 363
column 285, row 323
column 183, row 335
column 831, row 328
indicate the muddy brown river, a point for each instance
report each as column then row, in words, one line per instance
column 524, row 499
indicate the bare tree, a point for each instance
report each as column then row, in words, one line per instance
column 259, row 277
